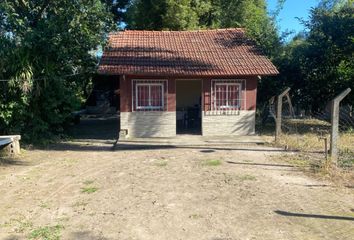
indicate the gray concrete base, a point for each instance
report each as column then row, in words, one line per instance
column 147, row 124
column 197, row 140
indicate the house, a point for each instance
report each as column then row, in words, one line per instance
column 186, row 82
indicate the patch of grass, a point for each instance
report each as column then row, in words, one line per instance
column 247, row 177
column 47, row 233
column 310, row 153
column 23, row 225
column 345, row 141
column 19, row 225
column 297, row 160
column 212, row 162
column 80, row 204
column 44, row 205
column 89, row 190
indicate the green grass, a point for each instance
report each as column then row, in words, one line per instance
column 44, row 205
column 212, row 162
column 23, row 225
column 19, row 225
column 80, row 204
column 89, row 190
column 247, row 177
column 47, row 233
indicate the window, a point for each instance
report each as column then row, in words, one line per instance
column 149, row 95
column 227, row 95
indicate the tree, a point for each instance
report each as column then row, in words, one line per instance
column 319, row 62
column 117, row 8
column 161, row 15
column 328, row 63
column 46, row 42
column 202, row 14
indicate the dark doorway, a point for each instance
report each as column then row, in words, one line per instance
column 188, row 106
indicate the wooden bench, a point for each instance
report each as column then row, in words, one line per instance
column 10, row 145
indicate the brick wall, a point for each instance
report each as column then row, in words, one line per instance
column 163, row 124
column 242, row 123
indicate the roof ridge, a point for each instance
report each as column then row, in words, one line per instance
column 176, row 31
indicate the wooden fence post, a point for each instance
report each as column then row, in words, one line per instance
column 335, row 124
column 279, row 114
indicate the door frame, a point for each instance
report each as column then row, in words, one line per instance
column 201, row 102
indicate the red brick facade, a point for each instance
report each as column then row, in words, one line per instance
column 126, row 92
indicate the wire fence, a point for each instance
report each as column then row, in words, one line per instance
column 309, row 133
column 346, row 137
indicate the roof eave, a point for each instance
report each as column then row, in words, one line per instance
column 142, row 74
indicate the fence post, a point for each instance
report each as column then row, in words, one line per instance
column 279, row 114
column 335, row 124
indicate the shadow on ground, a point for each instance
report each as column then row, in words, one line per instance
column 8, row 161
column 86, row 235
column 97, row 146
column 305, row 215
column 100, row 128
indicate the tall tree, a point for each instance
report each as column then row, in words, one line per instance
column 328, row 62
column 319, row 63
column 200, row 14
column 45, row 42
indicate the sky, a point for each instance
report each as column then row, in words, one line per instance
column 292, row 9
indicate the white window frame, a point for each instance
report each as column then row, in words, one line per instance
column 242, row 96
column 228, row 106
column 137, row 107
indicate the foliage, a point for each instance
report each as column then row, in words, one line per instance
column 212, row 162
column 89, row 190
column 47, row 233
column 45, row 42
column 328, row 61
column 318, row 63
column 202, row 14
column 117, row 9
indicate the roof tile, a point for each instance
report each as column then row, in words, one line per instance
column 205, row 52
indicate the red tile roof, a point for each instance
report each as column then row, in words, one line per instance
column 221, row 52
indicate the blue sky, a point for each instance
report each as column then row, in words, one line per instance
column 291, row 10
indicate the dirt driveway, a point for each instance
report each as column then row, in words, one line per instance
column 83, row 190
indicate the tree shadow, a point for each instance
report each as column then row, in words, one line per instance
column 9, row 161
column 261, row 164
column 98, row 128
column 207, row 151
column 112, row 146
column 291, row 214
column 154, row 60
column 238, row 39
column 12, row 237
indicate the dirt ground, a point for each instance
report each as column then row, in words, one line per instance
column 84, row 190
